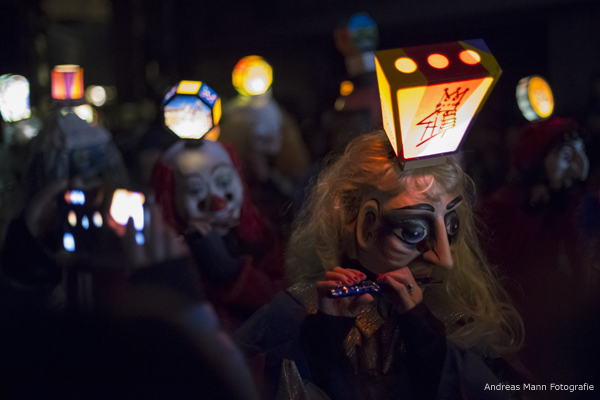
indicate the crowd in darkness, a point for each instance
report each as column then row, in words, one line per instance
column 217, row 287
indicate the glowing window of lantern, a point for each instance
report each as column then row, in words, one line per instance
column 405, row 65
column 438, row 61
column 346, row 88
column 125, row 205
column 97, row 219
column 252, row 76
column 469, row 57
column 72, row 218
column 188, row 87
column 69, row 242
column 534, row 98
column 14, row 98
column 216, row 111
column 188, row 117
column 434, row 119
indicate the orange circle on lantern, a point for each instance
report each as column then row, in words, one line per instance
column 438, row 61
column 406, row 65
column 469, row 57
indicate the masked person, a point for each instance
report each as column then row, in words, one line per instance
column 200, row 188
column 266, row 137
column 368, row 219
column 146, row 331
column 540, row 235
column 70, row 144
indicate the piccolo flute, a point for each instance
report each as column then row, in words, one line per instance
column 373, row 288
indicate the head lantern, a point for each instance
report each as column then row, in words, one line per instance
column 192, row 110
column 357, row 41
column 534, row 97
column 252, row 76
column 67, row 85
column 431, row 94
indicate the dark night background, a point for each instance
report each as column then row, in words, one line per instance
column 142, row 47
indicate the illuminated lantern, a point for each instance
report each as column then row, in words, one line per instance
column 431, row 94
column 534, row 97
column 14, row 98
column 356, row 42
column 252, row 76
column 67, row 84
column 192, row 110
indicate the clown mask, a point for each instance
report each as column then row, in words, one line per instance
column 208, row 188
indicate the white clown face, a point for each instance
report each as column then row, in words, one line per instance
column 208, row 188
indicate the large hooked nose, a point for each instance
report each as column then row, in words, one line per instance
column 440, row 255
column 217, row 203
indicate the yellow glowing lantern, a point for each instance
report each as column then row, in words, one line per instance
column 430, row 95
column 535, row 99
column 14, row 98
column 192, row 110
column 67, row 82
column 252, row 76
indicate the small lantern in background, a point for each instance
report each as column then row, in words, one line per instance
column 534, row 97
column 252, row 76
column 67, row 84
column 357, row 41
column 14, row 98
column 192, row 110
column 431, row 94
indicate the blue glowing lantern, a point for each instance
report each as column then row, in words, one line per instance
column 192, row 110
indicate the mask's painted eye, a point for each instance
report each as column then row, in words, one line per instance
column 197, row 187
column 411, row 232
column 223, row 177
column 452, row 226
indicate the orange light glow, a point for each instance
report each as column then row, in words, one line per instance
column 534, row 98
column 469, row 57
column 434, row 119
column 346, row 88
column 438, row 61
column 406, row 65
column 67, row 82
column 252, row 76
column 72, row 218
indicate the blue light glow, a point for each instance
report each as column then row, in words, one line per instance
column 77, row 197
column 69, row 242
column 85, row 222
column 139, row 238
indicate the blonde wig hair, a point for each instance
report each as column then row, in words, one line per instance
column 320, row 239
